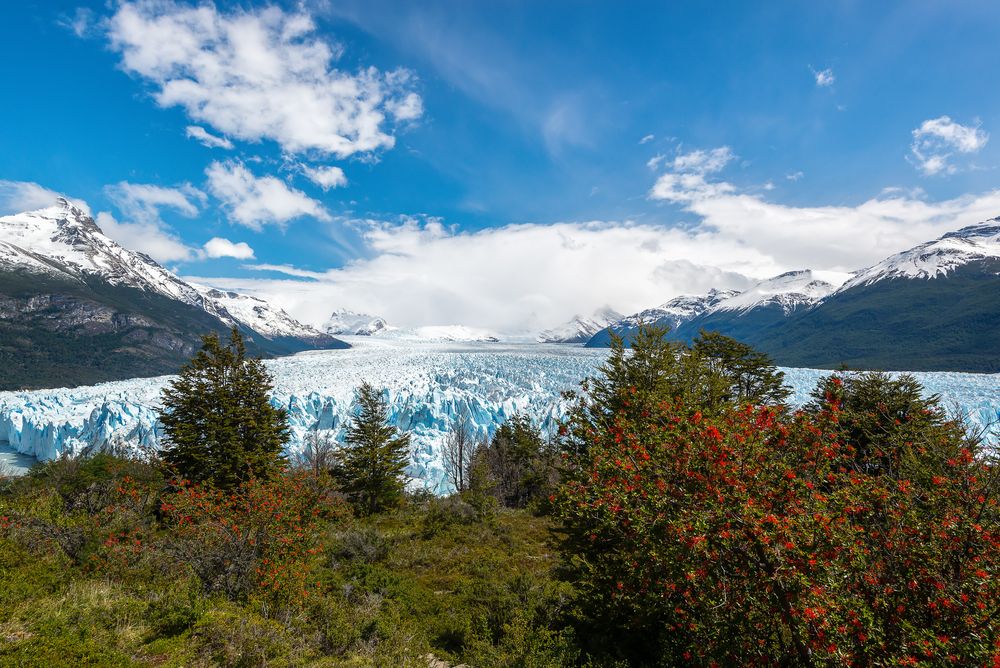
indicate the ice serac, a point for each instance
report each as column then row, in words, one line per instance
column 428, row 387
column 580, row 329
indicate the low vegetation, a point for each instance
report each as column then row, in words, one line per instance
column 684, row 516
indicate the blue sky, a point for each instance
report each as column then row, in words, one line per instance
column 503, row 164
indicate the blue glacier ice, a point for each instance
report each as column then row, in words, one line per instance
column 428, row 386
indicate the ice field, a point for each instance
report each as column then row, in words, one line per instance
column 428, row 386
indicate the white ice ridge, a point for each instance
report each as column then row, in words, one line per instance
column 428, row 386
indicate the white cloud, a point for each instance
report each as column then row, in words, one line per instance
column 794, row 176
column 142, row 201
column 18, row 196
column 142, row 228
column 513, row 278
column 834, row 238
column 81, row 23
column 257, row 201
column 260, row 74
column 824, row 78
column 147, row 237
column 703, row 162
column 647, row 139
column 325, row 177
column 206, row 138
column 937, row 140
column 218, row 247
column 525, row 277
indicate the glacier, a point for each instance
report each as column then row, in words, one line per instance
column 428, row 385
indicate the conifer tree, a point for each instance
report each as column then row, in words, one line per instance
column 374, row 456
column 220, row 426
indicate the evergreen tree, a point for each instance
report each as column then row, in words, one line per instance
column 516, row 466
column 375, row 454
column 220, row 425
column 734, row 373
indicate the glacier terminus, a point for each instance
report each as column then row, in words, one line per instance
column 429, row 385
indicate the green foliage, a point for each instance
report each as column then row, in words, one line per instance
column 865, row 530
column 218, row 420
column 710, row 376
column 516, row 467
column 374, row 457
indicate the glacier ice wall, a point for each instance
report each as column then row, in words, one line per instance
column 427, row 385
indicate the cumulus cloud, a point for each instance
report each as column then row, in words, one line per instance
column 260, row 74
column 824, row 78
column 646, row 139
column 257, row 201
column 206, row 138
column 512, row 278
column 18, row 196
column 937, row 140
column 686, row 175
column 218, row 247
column 325, row 177
column 150, row 238
column 142, row 227
column 143, row 201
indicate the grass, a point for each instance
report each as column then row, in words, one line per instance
column 434, row 579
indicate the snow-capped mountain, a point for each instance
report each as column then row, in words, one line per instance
column 77, row 307
column 350, row 323
column 936, row 258
column 63, row 241
column 789, row 291
column 931, row 307
column 679, row 310
column 732, row 312
column 237, row 310
column 580, row 329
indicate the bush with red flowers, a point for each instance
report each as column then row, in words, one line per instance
column 863, row 530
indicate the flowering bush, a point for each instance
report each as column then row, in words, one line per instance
column 753, row 536
column 256, row 540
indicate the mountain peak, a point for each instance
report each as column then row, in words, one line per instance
column 936, row 258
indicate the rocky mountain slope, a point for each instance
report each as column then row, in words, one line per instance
column 932, row 307
column 76, row 307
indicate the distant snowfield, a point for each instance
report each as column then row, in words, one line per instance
column 428, row 385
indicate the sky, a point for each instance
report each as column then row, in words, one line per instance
column 504, row 165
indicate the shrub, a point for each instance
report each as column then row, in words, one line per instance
column 748, row 536
column 258, row 539
column 366, row 545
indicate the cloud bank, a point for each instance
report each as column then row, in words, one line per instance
column 520, row 278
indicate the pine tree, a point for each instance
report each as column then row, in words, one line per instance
column 374, row 456
column 220, row 426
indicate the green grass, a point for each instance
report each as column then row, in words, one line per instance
column 436, row 577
